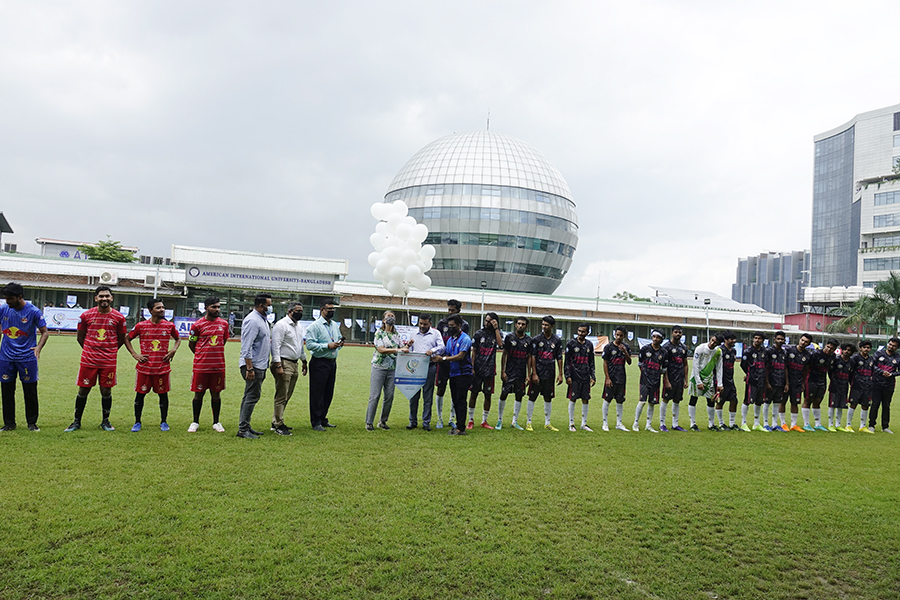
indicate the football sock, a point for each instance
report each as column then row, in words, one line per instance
column 138, row 406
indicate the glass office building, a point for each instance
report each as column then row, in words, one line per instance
column 496, row 210
column 774, row 281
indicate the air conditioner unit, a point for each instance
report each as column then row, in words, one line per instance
column 109, row 278
column 150, row 281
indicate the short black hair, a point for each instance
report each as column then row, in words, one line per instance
column 325, row 303
column 836, row 344
column 621, row 328
column 806, row 335
column 585, row 325
column 781, row 333
column 895, row 340
column 260, row 299
column 13, row 289
column 720, row 338
column 424, row 317
column 522, row 319
column 761, row 334
column 455, row 318
column 210, row 300
column 493, row 315
column 677, row 328
column 152, row 302
column 847, row 347
column 549, row 319
column 100, row 288
column 455, row 303
column 728, row 335
column 866, row 343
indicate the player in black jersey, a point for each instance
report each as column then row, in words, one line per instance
column 443, row 374
column 652, row 362
column 729, row 391
column 676, row 378
column 861, row 371
column 580, row 374
column 615, row 356
column 753, row 363
column 797, row 370
column 485, row 343
column 816, row 384
column 776, row 382
column 840, row 385
column 547, row 370
column 515, row 370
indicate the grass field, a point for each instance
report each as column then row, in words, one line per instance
column 408, row 514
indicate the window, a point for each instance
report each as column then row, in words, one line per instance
column 896, row 123
column 886, row 220
column 887, row 198
column 885, row 240
column 897, row 141
column 882, row 264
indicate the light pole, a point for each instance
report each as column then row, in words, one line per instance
column 483, row 286
column 706, row 307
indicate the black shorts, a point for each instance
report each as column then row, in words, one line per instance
column 815, row 391
column 512, row 386
column 616, row 392
column 579, row 390
column 545, row 388
column 674, row 393
column 860, row 397
column 795, row 393
column 483, row 385
column 754, row 394
column 837, row 399
column 650, row 393
column 729, row 393
column 776, row 395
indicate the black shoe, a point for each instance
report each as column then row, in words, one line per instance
column 247, row 435
column 33, row 427
column 318, row 428
column 326, row 424
column 383, row 425
column 7, row 428
column 713, row 428
column 254, row 432
column 283, row 430
column 694, row 428
column 76, row 425
column 426, row 428
column 412, row 425
column 274, row 427
column 369, row 427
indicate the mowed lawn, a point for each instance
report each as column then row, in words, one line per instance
column 410, row 514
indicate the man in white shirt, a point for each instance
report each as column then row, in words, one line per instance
column 429, row 341
column 287, row 350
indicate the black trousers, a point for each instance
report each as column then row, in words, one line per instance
column 322, row 372
column 881, row 396
column 29, row 390
column 459, row 390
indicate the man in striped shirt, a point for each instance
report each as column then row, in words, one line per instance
column 207, row 342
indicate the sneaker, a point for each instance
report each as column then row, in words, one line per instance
column 663, row 429
column 713, row 428
column 678, row 428
column 484, row 425
column 451, row 425
column 758, row 428
column 605, row 426
column 621, row 427
column 33, row 427
column 745, row 427
column 846, row 429
column 635, row 427
column 136, row 427
column 73, row 427
column 572, row 427
column 247, row 435
column 808, row 428
column 867, row 429
column 7, row 428
column 412, row 425
column 499, row 425
column 888, row 430
column 766, row 427
column 440, row 424
column 517, row 426
column 734, row 428
column 797, row 428
column 383, row 425
column 163, row 426
column 775, row 428
column 785, row 427
column 470, row 424
column 586, row 428
column 283, row 430
column 695, row 428
column 832, row 429
column 106, row 425
column 217, row 427
column 820, row 428
column 370, row 427
column 194, row 427
column 650, row 429
column 550, row 427
column 528, row 426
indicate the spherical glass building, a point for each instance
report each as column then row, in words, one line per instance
column 497, row 212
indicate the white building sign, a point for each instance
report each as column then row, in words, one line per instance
column 257, row 278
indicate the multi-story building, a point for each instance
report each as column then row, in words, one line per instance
column 856, row 201
column 773, row 281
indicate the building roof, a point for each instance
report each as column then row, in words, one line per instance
column 42, row 241
column 696, row 298
column 4, row 225
column 481, row 157
column 258, row 260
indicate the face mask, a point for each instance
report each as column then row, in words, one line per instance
column 390, row 321
column 270, row 310
column 297, row 316
column 328, row 314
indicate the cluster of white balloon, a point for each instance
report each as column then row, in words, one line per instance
column 400, row 259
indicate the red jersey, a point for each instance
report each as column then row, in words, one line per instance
column 154, row 345
column 101, row 340
column 209, row 353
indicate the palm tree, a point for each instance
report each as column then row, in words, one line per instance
column 881, row 309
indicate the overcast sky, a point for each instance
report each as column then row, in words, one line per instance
column 684, row 129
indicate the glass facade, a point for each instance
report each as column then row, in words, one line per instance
column 880, row 241
column 496, row 210
column 882, row 264
column 891, row 220
column 887, row 198
column 833, row 248
column 773, row 281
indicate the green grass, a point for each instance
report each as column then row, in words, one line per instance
column 400, row 514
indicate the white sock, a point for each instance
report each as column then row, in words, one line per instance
column 638, row 411
column 472, row 413
column 793, row 419
column 863, row 417
column 662, row 414
column 501, row 405
column 850, row 412
column 692, row 413
column 675, row 410
column 782, row 416
column 530, row 410
column 517, row 407
column 606, row 411
column 732, row 416
column 711, row 414
column 571, row 412
column 584, row 411
column 805, row 412
column 620, row 412
column 838, row 412
column 649, row 415
column 547, row 407
column 744, row 409
column 484, row 416
column 817, row 415
column 756, row 408
column 719, row 414
column 440, row 408
column 765, row 411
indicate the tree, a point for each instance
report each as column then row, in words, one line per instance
column 108, row 250
column 882, row 309
column 629, row 297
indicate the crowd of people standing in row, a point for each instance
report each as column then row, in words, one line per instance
column 775, row 376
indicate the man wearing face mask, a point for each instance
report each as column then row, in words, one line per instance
column 287, row 350
column 256, row 344
column 323, row 340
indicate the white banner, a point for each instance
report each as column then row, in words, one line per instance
column 63, row 318
column 411, row 373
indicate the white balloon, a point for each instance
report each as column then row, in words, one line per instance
column 384, row 267
column 395, row 288
column 378, row 241
column 409, row 221
column 428, row 264
column 392, row 253
column 397, row 273
column 400, row 208
column 427, row 252
column 376, row 210
column 393, row 220
column 405, row 289
column 408, row 257
column 413, row 272
column 423, row 282
column 420, row 264
column 374, row 257
column 377, row 274
column 419, row 233
column 403, row 231
column 382, row 228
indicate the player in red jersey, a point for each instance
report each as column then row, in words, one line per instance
column 207, row 342
column 101, row 332
column 154, row 361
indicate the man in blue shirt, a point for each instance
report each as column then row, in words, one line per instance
column 19, row 354
column 456, row 352
column 256, row 344
column 323, row 340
